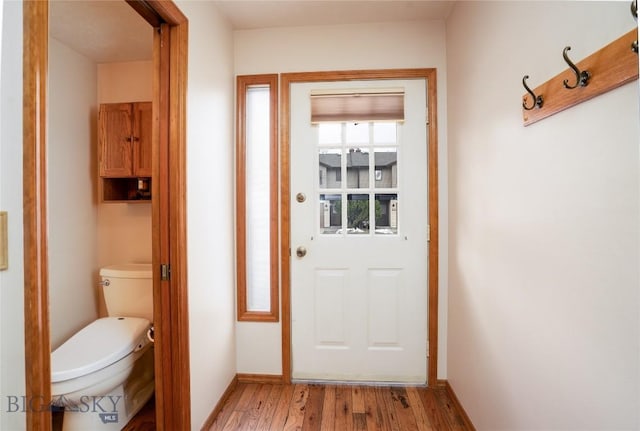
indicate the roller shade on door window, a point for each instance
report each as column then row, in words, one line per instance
column 357, row 105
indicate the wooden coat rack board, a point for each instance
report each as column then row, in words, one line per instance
column 610, row 67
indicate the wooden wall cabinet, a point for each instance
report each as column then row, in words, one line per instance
column 124, row 153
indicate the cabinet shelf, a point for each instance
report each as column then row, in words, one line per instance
column 125, row 190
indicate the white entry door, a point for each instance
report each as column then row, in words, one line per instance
column 359, row 241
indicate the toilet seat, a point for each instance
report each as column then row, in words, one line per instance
column 98, row 345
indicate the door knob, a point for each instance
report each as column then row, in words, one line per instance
column 301, row 251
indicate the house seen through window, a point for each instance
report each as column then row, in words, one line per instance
column 365, row 154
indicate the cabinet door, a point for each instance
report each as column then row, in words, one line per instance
column 142, row 120
column 115, row 135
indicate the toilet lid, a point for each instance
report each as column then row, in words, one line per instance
column 97, row 345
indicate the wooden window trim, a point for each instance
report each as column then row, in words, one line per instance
column 243, row 84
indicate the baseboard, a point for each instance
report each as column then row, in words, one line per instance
column 441, row 383
column 454, row 399
column 216, row 410
column 260, row 378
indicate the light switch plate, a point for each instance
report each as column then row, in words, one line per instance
column 4, row 252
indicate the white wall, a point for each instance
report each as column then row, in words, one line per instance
column 11, row 280
column 1, row 11
column 345, row 47
column 543, row 238
column 210, row 217
column 124, row 229
column 71, row 182
column 125, row 82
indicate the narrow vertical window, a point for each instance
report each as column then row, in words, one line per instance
column 256, row 198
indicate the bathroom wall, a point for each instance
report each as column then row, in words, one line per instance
column 345, row 47
column 12, row 279
column 210, row 214
column 86, row 234
column 71, row 182
column 124, row 229
column 544, row 225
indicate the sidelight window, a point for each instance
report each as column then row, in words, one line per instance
column 256, row 198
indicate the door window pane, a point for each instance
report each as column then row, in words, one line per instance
column 330, row 213
column 330, row 168
column 357, row 214
column 386, row 214
column 357, row 133
column 386, row 167
column 329, row 133
column 385, row 133
column 357, row 168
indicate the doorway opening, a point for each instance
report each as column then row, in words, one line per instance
column 168, row 221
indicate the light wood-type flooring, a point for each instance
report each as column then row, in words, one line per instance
column 145, row 420
column 253, row 406
column 276, row 407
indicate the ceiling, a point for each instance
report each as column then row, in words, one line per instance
column 104, row 31
column 111, row 31
column 246, row 14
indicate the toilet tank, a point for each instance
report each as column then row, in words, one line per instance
column 128, row 290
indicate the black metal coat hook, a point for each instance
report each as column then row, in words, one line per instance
column 537, row 100
column 582, row 77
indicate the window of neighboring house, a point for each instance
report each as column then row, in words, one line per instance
column 256, row 198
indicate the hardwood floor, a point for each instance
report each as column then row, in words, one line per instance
column 263, row 407
column 145, row 419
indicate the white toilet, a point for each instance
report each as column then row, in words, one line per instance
column 103, row 374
